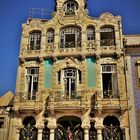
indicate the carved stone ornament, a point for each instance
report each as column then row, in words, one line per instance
column 69, row 62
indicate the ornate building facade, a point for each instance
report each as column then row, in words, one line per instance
column 71, row 81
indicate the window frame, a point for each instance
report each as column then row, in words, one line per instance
column 107, row 40
column 32, row 81
column 90, row 34
column 70, row 7
column 137, row 70
column 67, row 80
column 35, row 40
column 63, row 37
column 50, row 36
column 112, row 91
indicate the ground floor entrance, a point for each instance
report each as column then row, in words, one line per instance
column 71, row 128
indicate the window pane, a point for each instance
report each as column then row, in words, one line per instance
column 35, row 40
column 107, row 36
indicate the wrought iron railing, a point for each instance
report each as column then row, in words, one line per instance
column 27, row 96
column 110, row 94
column 70, row 44
column 32, row 47
column 40, row 13
column 112, row 133
column 107, row 42
column 65, row 96
column 28, row 133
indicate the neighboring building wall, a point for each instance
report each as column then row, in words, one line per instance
column 132, row 52
column 6, row 112
column 136, row 90
column 131, row 100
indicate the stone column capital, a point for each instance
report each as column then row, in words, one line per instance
column 99, row 127
column 85, row 127
column 39, row 127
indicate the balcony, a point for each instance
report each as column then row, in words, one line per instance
column 111, row 100
column 61, row 99
column 70, row 46
column 107, row 47
column 28, row 101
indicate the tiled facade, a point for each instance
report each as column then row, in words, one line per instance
column 132, row 47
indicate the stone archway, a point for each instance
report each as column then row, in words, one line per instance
column 69, row 128
column 112, row 130
column 28, row 132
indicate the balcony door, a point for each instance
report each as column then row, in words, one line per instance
column 70, row 83
column 32, row 82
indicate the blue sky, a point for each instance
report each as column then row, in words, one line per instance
column 15, row 12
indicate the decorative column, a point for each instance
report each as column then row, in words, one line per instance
column 86, row 133
column 40, row 129
column 51, row 125
column 52, row 132
column 86, row 124
column 99, row 133
column 43, row 42
column 99, row 128
column 17, row 132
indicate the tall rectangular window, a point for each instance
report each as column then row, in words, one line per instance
column 32, row 82
column 69, row 77
column 138, row 73
column 109, row 81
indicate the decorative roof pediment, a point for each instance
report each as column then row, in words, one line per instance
column 106, row 15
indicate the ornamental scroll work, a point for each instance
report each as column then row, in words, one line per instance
column 61, row 19
column 69, row 62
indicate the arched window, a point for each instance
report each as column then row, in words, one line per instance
column 35, row 40
column 90, row 33
column 50, row 36
column 70, row 37
column 107, row 36
column 70, row 7
column 69, row 77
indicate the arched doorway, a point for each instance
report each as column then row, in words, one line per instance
column 112, row 130
column 69, row 128
column 28, row 132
